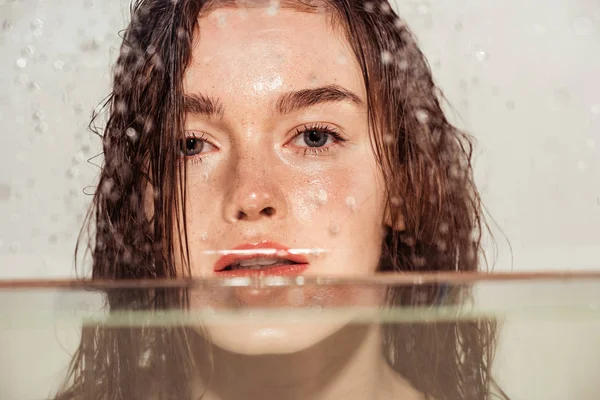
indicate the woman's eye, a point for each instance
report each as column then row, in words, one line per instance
column 313, row 138
column 192, row 146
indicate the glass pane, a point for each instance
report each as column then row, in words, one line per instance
column 281, row 337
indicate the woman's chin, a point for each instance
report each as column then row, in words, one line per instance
column 262, row 339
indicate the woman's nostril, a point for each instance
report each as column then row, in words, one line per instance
column 268, row 211
column 240, row 216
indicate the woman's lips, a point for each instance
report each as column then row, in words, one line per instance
column 265, row 249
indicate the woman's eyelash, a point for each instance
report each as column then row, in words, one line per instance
column 330, row 131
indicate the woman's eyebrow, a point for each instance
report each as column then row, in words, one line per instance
column 197, row 103
column 297, row 100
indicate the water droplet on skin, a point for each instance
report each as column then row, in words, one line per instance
column 351, row 202
column 205, row 176
column 221, row 21
column 204, row 236
column 386, row 57
column 342, row 59
column 334, row 228
column 422, row 116
column 21, row 62
column 322, row 196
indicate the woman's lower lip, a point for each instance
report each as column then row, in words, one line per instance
column 275, row 270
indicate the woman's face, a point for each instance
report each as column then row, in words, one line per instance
column 278, row 156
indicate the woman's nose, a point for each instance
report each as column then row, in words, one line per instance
column 255, row 193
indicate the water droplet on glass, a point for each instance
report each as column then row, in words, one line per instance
column 28, row 51
column 181, row 34
column 281, row 253
column 351, row 202
column 334, row 228
column 33, row 87
column 388, row 138
column 39, row 116
column 322, row 196
column 422, row 116
column 396, row 201
column 5, row 191
column 562, row 96
column 458, row 26
column 273, row 9
column 423, row 9
column 59, row 65
column 79, row 157
column 595, row 109
column 369, row 6
column 53, row 239
column 583, row 26
column 73, row 172
column 22, row 79
column 6, row 25
column 386, row 57
column 539, row 29
column 14, row 247
column 21, row 62
column 131, row 134
column 510, row 105
column 399, row 23
column 481, row 55
column 107, row 186
column 591, row 143
column 581, row 165
column 42, row 127
column 385, row 7
column 295, row 297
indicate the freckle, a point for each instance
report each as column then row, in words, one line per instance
column 334, row 228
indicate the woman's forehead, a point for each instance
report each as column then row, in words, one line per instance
column 242, row 49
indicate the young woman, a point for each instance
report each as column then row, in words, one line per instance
column 280, row 138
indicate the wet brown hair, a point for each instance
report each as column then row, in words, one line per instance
column 425, row 160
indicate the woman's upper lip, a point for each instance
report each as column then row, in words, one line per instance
column 264, row 249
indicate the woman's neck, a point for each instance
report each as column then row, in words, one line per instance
column 347, row 365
